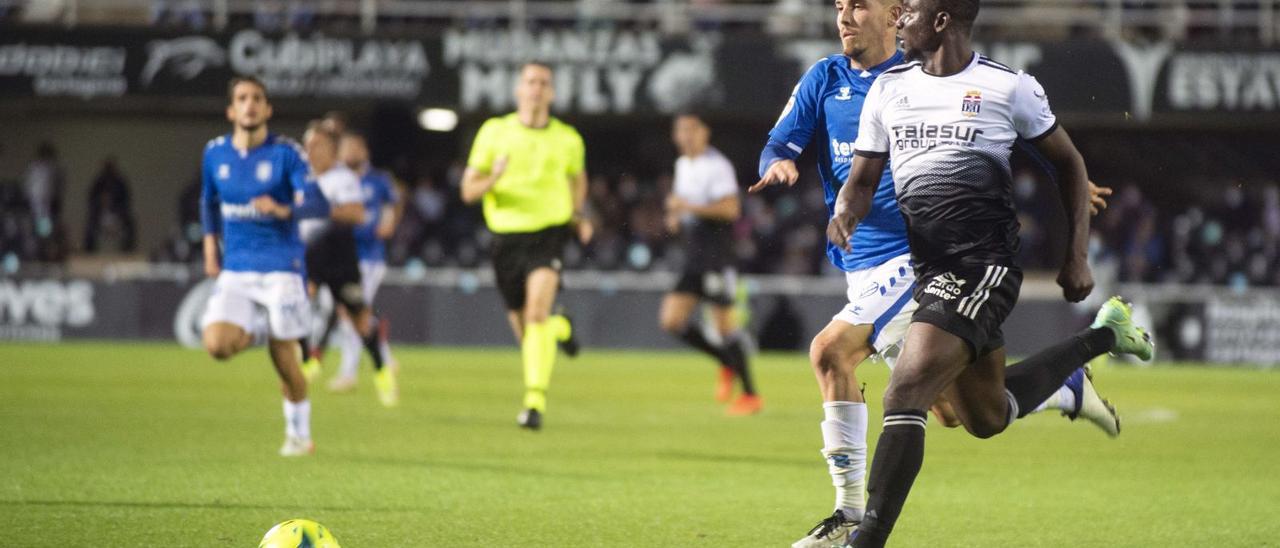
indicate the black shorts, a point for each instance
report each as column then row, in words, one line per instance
column 332, row 262
column 516, row 255
column 717, row 286
column 970, row 302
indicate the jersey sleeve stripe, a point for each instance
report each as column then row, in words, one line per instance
column 902, row 68
column 996, row 66
column 795, row 147
column 995, row 63
column 1046, row 133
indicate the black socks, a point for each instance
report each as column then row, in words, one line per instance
column 1033, row 380
column 899, row 454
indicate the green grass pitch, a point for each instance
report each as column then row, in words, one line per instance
column 105, row 444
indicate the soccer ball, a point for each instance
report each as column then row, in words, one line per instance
column 299, row 533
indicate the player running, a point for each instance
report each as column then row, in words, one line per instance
column 383, row 208
column 529, row 170
column 249, row 179
column 948, row 121
column 702, row 208
column 825, row 108
column 332, row 261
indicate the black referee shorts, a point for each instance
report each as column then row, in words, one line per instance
column 970, row 302
column 332, row 262
column 715, row 285
column 517, row 254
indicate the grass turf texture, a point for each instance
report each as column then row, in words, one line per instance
column 151, row 445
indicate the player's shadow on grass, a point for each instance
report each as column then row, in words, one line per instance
column 215, row 505
column 735, row 459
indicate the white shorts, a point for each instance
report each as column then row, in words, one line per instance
column 238, row 296
column 881, row 297
column 371, row 275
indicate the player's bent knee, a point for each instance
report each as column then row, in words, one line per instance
column 829, row 355
column 674, row 326
column 219, row 349
column 984, row 429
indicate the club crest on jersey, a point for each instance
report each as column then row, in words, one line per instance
column 972, row 104
column 845, row 93
column 224, row 171
column 264, row 171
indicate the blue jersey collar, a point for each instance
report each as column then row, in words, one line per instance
column 896, row 59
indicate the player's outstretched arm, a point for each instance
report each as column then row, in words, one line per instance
column 1098, row 197
column 476, row 183
column 781, row 171
column 1074, row 187
column 853, row 203
column 351, row 213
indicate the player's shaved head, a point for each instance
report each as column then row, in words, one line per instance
column 963, row 12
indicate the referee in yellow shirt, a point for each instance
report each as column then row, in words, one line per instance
column 528, row 169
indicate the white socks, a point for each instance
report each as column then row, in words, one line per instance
column 1064, row 400
column 844, row 445
column 352, row 346
column 297, row 419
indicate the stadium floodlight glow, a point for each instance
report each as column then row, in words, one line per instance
column 438, row 119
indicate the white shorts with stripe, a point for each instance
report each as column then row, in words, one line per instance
column 237, row 297
column 881, row 297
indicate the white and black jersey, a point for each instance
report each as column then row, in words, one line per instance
column 704, row 180
column 949, row 140
column 340, row 186
column 331, row 247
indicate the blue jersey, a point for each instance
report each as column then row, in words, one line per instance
column 378, row 193
column 253, row 241
column 825, row 108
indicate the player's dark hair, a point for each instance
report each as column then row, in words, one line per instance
column 243, row 79
column 963, row 12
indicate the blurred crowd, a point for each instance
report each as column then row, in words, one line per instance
column 1228, row 235
column 32, row 225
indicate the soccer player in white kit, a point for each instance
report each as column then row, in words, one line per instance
column 824, row 111
column 383, row 209
column 332, row 255
column 701, row 208
column 949, row 120
column 254, row 188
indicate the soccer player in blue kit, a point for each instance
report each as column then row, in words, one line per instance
column 824, row 109
column 254, row 191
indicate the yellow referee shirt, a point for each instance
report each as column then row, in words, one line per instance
column 534, row 191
